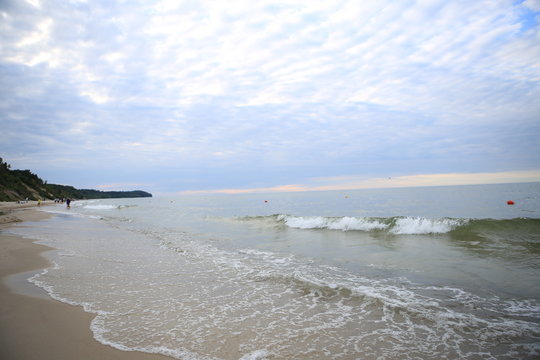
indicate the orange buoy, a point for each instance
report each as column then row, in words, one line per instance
column 510, row 202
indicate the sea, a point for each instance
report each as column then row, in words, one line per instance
column 447, row 272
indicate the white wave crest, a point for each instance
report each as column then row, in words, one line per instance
column 417, row 225
column 399, row 225
column 100, row 207
column 256, row 355
column 345, row 223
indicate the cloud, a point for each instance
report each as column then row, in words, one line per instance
column 533, row 5
column 277, row 92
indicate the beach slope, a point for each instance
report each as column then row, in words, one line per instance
column 40, row 328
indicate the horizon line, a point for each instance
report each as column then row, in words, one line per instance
column 404, row 181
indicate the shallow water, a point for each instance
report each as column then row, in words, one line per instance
column 423, row 273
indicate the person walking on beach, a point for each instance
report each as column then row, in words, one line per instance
column 68, row 201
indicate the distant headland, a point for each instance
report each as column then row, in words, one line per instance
column 16, row 185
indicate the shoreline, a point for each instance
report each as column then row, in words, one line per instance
column 33, row 326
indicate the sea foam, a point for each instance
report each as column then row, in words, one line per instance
column 416, row 225
column 100, row 207
column 341, row 223
column 396, row 225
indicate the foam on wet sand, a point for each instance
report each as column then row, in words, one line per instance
column 31, row 325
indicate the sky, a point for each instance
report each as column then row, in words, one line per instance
column 240, row 95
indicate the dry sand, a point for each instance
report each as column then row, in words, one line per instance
column 41, row 328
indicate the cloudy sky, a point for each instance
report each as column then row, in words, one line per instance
column 171, row 95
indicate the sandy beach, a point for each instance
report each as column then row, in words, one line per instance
column 33, row 327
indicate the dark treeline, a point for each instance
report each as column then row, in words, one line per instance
column 18, row 185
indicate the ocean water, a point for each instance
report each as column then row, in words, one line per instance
column 415, row 273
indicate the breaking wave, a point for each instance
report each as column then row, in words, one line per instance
column 105, row 206
column 400, row 225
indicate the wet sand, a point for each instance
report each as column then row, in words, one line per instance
column 37, row 327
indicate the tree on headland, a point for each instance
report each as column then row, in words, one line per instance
column 3, row 165
column 23, row 184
